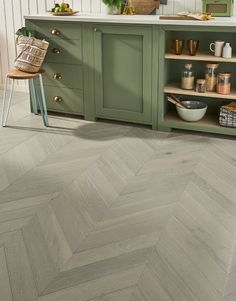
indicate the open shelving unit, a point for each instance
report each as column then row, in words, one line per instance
column 172, row 64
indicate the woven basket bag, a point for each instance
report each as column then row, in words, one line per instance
column 30, row 53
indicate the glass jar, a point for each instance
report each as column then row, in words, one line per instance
column 224, row 83
column 211, row 77
column 187, row 79
column 201, row 85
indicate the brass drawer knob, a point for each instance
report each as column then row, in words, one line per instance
column 57, row 98
column 56, row 50
column 57, row 76
column 55, row 32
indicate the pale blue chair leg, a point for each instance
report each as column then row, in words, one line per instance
column 6, row 102
column 40, row 100
column 44, row 105
column 33, row 96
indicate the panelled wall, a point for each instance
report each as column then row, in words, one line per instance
column 12, row 12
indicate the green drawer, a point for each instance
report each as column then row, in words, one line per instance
column 63, row 76
column 64, row 51
column 57, row 30
column 64, row 100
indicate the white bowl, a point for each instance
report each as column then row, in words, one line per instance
column 195, row 110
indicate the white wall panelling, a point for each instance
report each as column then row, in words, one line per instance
column 12, row 12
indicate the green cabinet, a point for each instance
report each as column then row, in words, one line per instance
column 63, row 65
column 123, row 72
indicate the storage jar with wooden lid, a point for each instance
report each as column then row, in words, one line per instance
column 224, row 83
column 211, row 77
column 201, row 85
column 187, row 79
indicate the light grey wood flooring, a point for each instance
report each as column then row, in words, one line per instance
column 111, row 212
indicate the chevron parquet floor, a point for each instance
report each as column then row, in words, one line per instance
column 110, row 212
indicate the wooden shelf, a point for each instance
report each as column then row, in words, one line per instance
column 208, row 124
column 199, row 57
column 209, row 120
column 175, row 89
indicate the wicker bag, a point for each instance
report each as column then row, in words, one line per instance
column 30, row 53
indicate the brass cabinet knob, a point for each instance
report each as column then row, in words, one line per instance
column 55, row 32
column 57, row 76
column 95, row 30
column 56, row 50
column 57, row 98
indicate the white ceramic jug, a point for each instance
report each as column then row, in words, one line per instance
column 227, row 51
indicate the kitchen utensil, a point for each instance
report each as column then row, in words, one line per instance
column 195, row 110
column 188, row 16
column 176, row 102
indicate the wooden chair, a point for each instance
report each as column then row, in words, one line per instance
column 37, row 100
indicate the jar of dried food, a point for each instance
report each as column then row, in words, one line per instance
column 211, row 77
column 224, row 83
column 187, row 79
column 201, row 85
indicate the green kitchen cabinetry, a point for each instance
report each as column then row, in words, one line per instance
column 123, row 72
column 64, row 70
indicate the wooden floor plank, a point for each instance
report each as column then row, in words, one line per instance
column 113, row 212
column 5, row 287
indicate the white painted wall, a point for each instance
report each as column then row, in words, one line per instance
column 12, row 12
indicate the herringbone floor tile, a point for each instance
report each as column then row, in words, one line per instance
column 112, row 212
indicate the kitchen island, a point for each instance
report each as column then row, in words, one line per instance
column 122, row 67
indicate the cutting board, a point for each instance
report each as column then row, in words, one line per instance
column 145, row 7
column 177, row 18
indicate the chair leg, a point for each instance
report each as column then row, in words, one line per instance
column 43, row 105
column 6, row 103
column 33, row 96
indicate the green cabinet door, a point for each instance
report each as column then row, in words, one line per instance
column 123, row 72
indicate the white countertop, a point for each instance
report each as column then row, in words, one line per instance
column 135, row 19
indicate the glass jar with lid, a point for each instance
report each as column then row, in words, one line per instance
column 200, row 85
column 211, row 77
column 187, row 79
column 224, row 83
